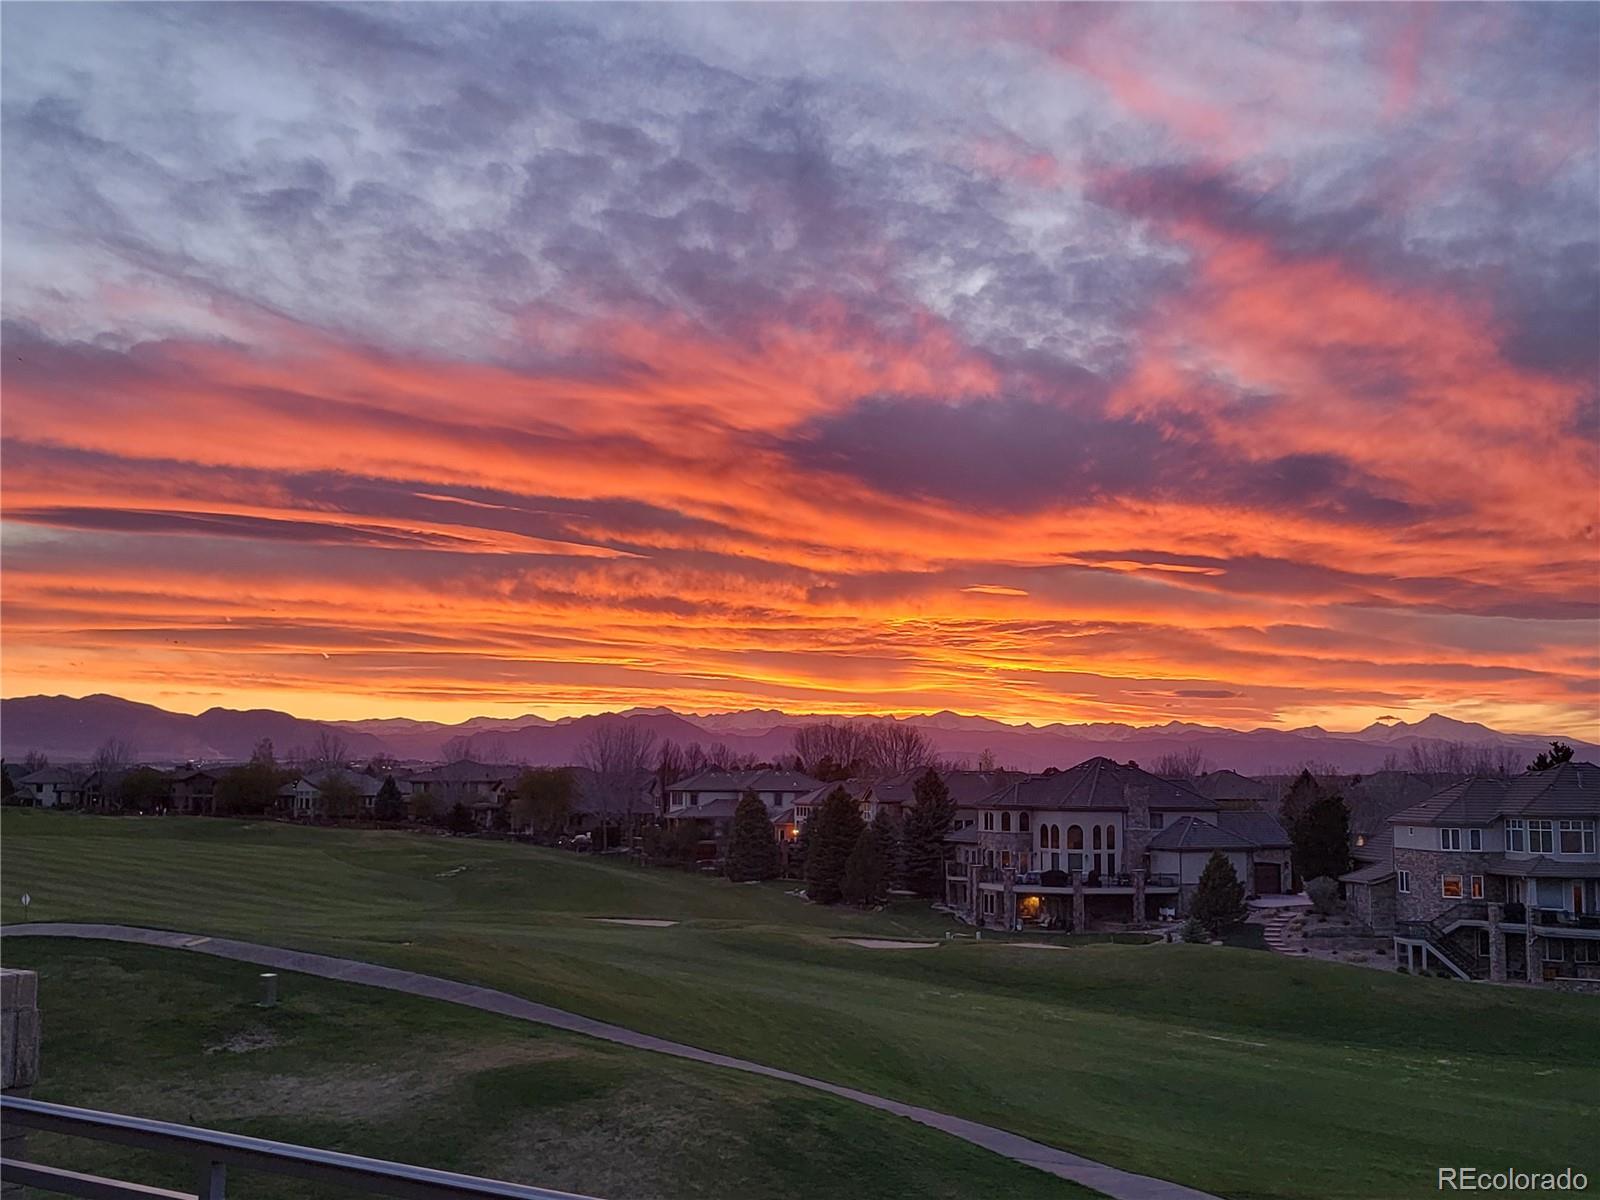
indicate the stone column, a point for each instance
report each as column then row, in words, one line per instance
column 1079, row 908
column 1008, row 899
column 1497, row 946
column 1532, row 952
column 19, row 1051
column 1138, row 897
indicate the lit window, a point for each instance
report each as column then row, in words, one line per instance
column 1450, row 887
column 1477, row 887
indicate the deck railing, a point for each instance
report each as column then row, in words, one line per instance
column 213, row 1152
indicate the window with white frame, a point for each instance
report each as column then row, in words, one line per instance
column 1477, row 887
column 1554, row 949
column 1005, row 822
column 1450, row 887
column 1516, row 835
column 1541, row 837
column 1449, row 839
column 1403, row 882
column 988, row 821
column 1577, row 837
column 1474, row 839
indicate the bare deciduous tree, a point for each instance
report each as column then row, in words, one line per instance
column 111, row 762
column 457, row 749
column 897, row 747
column 1188, row 763
column 329, row 750
column 616, row 751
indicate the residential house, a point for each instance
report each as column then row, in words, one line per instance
column 636, row 805
column 54, row 787
column 194, row 791
column 708, row 799
column 320, row 794
column 482, row 788
column 1369, row 886
column 1102, row 840
column 1500, row 878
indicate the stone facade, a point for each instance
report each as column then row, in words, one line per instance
column 1428, row 869
column 1373, row 904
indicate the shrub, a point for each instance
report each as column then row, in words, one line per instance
column 1324, row 893
column 1192, row 931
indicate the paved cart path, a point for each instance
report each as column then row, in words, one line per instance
column 1122, row 1185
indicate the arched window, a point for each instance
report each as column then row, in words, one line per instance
column 1097, row 837
column 1055, row 837
column 1044, row 837
column 1074, row 837
column 1111, row 837
column 1005, row 822
column 1022, row 822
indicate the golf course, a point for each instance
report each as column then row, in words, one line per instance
column 1238, row 1072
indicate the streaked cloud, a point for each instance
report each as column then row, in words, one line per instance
column 1053, row 362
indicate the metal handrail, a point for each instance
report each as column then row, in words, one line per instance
column 215, row 1151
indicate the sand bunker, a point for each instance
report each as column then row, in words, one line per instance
column 882, row 944
column 1031, row 945
column 645, row 921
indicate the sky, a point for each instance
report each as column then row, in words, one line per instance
column 1226, row 363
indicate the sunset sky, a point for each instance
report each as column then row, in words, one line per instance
column 1220, row 363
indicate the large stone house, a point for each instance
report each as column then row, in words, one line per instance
column 333, row 792
column 708, row 800
column 193, row 791
column 482, row 788
column 1500, row 878
column 1101, row 841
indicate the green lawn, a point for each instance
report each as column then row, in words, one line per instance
column 176, row 1036
column 1243, row 1073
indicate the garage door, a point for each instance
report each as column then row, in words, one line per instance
column 1267, row 879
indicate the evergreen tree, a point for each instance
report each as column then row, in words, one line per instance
column 8, row 790
column 797, row 851
column 866, row 877
column 389, row 805
column 838, row 826
column 1219, row 900
column 1558, row 753
column 1321, row 839
column 752, row 848
column 922, row 840
column 1302, row 793
column 893, row 851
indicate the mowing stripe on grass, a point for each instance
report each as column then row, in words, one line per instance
column 1119, row 1184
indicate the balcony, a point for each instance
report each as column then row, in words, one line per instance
column 1114, row 884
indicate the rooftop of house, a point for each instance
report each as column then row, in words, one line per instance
column 1191, row 833
column 1099, row 783
column 364, row 785
column 51, row 775
column 966, row 788
column 1569, row 790
column 1262, row 830
column 467, row 771
column 1230, row 785
column 856, row 789
column 637, row 797
column 1371, row 873
column 765, row 779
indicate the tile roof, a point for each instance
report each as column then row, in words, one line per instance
column 51, row 775
column 1191, row 833
column 467, row 771
column 1570, row 790
column 764, row 780
column 966, row 788
column 1542, row 868
column 1371, row 873
column 1099, row 783
column 1263, row 830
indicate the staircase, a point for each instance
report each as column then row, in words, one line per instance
column 1434, row 935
